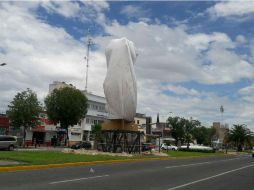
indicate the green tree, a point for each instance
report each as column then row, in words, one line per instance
column 24, row 110
column 66, row 106
column 239, row 135
column 204, row 135
column 189, row 127
column 96, row 132
column 176, row 124
column 211, row 135
column 201, row 135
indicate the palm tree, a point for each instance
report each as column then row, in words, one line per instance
column 239, row 135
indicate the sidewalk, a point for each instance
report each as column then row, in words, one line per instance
column 32, row 148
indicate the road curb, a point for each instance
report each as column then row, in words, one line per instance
column 48, row 166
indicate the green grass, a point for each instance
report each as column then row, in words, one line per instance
column 52, row 157
column 191, row 154
column 55, row 157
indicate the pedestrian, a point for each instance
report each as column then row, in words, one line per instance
column 35, row 142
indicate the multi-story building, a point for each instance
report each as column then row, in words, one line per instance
column 220, row 133
column 96, row 113
column 58, row 85
column 142, row 121
column 4, row 124
column 43, row 132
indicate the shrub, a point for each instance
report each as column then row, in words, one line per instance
column 197, row 150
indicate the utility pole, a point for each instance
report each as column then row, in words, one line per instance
column 88, row 43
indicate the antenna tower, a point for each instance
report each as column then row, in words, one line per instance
column 221, row 111
column 89, row 42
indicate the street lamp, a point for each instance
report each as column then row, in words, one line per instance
column 3, row 64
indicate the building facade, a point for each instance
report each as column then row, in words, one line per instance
column 58, row 85
column 221, row 131
column 96, row 113
column 43, row 133
column 4, row 124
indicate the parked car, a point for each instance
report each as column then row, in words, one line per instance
column 8, row 142
column 147, row 146
column 85, row 145
column 168, row 147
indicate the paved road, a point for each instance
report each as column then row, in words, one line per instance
column 219, row 173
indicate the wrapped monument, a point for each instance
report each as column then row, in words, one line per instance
column 120, row 86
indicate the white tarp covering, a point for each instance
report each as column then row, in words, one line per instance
column 120, row 86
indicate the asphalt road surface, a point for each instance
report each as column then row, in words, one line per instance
column 217, row 173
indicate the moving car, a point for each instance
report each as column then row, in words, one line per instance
column 168, row 147
column 85, row 145
column 8, row 142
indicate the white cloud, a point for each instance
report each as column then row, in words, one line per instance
column 248, row 93
column 134, row 11
column 240, row 39
column 83, row 10
column 201, row 41
column 232, row 8
column 64, row 8
column 180, row 90
column 38, row 53
column 173, row 55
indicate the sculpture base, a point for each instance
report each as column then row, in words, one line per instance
column 120, row 141
column 119, row 124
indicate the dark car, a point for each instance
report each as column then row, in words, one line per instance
column 147, row 146
column 85, row 145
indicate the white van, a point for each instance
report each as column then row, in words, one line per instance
column 8, row 142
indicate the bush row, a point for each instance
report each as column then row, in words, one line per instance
column 197, row 150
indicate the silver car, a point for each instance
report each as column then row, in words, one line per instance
column 8, row 142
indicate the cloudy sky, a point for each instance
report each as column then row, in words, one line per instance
column 193, row 56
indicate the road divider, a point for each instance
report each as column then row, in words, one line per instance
column 73, row 164
column 48, row 166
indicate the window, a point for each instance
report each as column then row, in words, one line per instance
column 87, row 120
column 7, row 139
column 137, row 121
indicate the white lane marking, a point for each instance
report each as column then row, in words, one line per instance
column 200, row 163
column 211, row 177
column 78, row 179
